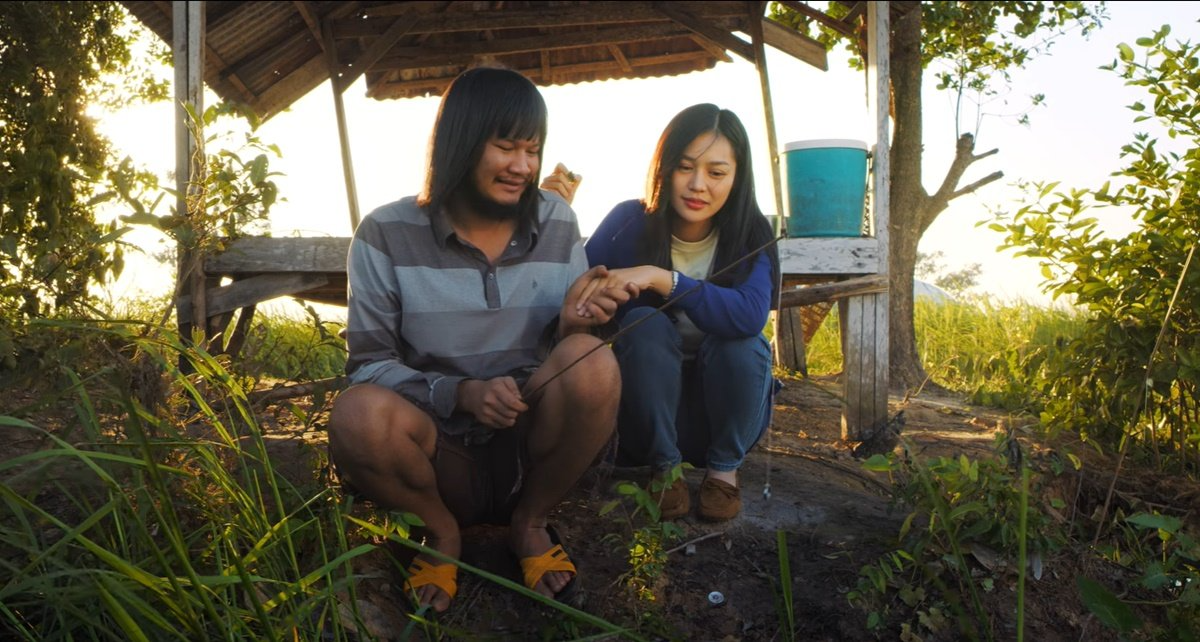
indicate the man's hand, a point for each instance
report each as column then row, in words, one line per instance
column 601, row 304
column 562, row 181
column 495, row 403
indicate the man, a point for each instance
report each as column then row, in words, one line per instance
column 462, row 324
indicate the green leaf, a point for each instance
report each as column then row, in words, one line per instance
column 1125, row 52
column 608, row 507
column 1159, row 522
column 1111, row 611
column 877, row 463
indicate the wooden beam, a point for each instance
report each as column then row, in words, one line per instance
column 311, row 18
column 586, row 15
column 222, row 67
column 829, row 255
column 864, row 371
column 282, row 93
column 808, row 295
column 253, row 290
column 416, row 57
column 378, row 48
column 820, row 16
column 436, row 84
column 339, row 112
column 188, row 32
column 258, row 254
column 764, row 82
column 717, row 52
column 619, row 56
column 795, row 44
column 718, row 36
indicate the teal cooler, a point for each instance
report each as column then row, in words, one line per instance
column 826, row 183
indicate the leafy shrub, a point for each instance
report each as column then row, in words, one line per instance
column 1135, row 367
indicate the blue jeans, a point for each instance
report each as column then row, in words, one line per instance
column 709, row 411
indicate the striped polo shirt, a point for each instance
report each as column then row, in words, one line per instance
column 427, row 310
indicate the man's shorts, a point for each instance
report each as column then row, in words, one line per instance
column 481, row 482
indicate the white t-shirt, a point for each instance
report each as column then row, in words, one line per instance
column 693, row 259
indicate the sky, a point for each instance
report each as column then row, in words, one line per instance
column 606, row 131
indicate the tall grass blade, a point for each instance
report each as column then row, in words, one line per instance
column 785, row 582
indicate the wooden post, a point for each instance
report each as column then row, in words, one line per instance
column 188, row 45
column 331, row 62
column 791, row 355
column 865, row 336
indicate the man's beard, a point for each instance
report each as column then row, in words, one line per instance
column 485, row 206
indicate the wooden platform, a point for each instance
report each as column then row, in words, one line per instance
column 261, row 268
column 815, row 270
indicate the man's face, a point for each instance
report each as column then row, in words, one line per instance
column 505, row 170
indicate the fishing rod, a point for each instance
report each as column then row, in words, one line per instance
column 533, row 393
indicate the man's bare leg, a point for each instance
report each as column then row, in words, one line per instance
column 574, row 417
column 384, row 446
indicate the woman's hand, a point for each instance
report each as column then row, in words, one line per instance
column 633, row 281
column 496, row 403
column 562, row 181
column 601, row 305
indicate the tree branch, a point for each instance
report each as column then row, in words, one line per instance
column 964, row 156
column 994, row 176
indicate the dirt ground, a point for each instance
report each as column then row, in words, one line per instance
column 802, row 480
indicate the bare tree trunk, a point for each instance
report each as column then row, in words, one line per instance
column 908, row 199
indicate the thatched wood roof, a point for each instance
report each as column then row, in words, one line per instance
column 269, row 54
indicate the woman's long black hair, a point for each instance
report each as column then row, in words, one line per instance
column 741, row 223
column 481, row 103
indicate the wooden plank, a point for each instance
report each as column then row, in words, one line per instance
column 619, row 56
column 795, row 44
column 339, row 112
column 252, row 291
column 410, row 57
column 829, row 255
column 378, row 48
column 258, row 254
column 865, row 374
column 534, row 73
column 808, row 295
column 789, row 345
column 878, row 97
column 721, row 37
column 588, row 14
column 820, row 16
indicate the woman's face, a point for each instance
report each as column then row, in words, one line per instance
column 700, row 185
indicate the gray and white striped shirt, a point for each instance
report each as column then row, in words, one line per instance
column 427, row 311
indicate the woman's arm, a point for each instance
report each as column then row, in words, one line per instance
column 739, row 311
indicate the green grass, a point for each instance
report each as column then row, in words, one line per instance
column 992, row 352
column 166, row 520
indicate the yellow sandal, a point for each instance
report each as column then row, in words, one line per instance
column 554, row 559
column 443, row 576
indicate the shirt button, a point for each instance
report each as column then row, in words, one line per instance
column 512, row 243
column 491, row 276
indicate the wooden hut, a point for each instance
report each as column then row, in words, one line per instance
column 269, row 54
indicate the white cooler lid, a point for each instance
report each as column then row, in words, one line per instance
column 825, row 143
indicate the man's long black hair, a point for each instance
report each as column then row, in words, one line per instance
column 481, row 103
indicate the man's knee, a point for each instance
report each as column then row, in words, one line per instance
column 595, row 370
column 369, row 417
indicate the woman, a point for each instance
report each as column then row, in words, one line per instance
column 696, row 379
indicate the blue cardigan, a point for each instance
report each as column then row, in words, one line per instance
column 726, row 312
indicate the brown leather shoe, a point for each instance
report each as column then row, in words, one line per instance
column 673, row 501
column 719, row 501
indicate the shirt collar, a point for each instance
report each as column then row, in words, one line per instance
column 526, row 235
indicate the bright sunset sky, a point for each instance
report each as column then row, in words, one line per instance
column 606, row 131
